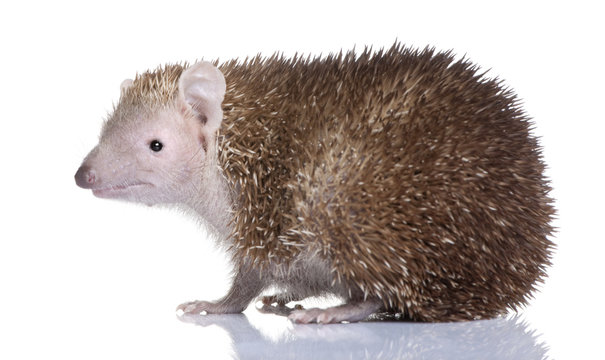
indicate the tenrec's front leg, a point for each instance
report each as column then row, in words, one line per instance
column 247, row 285
column 352, row 311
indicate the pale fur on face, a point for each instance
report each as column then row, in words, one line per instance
column 123, row 157
column 124, row 166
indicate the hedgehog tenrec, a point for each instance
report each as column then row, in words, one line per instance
column 399, row 180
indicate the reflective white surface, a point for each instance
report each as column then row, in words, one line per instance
column 84, row 278
column 503, row 338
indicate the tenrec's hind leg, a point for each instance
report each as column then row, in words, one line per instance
column 353, row 311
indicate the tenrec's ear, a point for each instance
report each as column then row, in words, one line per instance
column 203, row 87
column 125, row 85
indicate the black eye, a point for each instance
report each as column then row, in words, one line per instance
column 155, row 145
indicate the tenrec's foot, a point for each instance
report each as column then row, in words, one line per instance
column 197, row 307
column 348, row 312
column 276, row 305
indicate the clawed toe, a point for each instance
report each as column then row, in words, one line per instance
column 305, row 316
column 277, row 305
column 193, row 307
column 348, row 312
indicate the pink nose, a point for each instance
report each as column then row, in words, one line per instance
column 85, row 177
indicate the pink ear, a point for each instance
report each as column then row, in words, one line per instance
column 202, row 86
column 125, row 85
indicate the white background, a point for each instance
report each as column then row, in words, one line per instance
column 82, row 277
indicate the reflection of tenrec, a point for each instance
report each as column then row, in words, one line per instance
column 495, row 339
column 400, row 180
